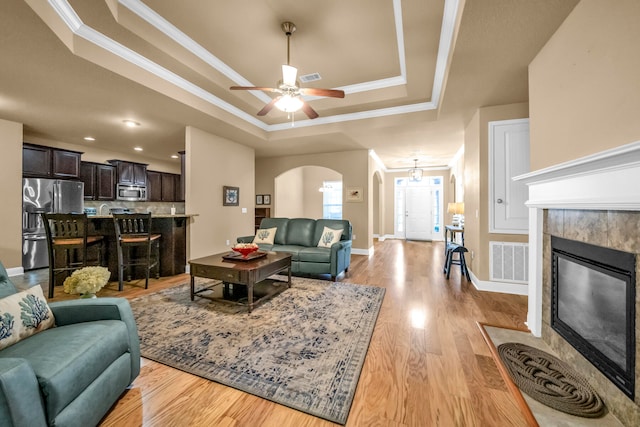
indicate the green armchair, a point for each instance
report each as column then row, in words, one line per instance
column 71, row 374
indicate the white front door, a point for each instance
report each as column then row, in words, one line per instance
column 419, row 213
column 508, row 157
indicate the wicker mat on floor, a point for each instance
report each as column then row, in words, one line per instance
column 304, row 348
column 550, row 381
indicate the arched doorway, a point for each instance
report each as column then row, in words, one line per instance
column 297, row 191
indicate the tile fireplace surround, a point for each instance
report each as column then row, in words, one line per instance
column 594, row 199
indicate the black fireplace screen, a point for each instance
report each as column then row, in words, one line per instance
column 593, row 306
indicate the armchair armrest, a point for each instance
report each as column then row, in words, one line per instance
column 245, row 239
column 340, row 257
column 89, row 310
column 20, row 400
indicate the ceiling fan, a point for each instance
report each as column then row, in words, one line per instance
column 289, row 91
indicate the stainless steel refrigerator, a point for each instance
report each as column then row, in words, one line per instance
column 45, row 195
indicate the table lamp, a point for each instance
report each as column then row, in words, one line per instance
column 457, row 209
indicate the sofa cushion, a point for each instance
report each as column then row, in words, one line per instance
column 329, row 237
column 22, row 315
column 300, row 232
column 280, row 224
column 292, row 249
column 315, row 255
column 67, row 359
column 265, row 236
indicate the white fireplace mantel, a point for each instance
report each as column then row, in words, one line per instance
column 609, row 180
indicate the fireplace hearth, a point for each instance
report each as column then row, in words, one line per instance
column 593, row 306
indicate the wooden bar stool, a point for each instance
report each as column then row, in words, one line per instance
column 454, row 248
column 137, row 246
column 67, row 235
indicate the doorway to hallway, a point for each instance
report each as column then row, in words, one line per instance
column 418, row 208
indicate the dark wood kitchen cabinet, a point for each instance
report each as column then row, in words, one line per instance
column 169, row 187
column 162, row 186
column 130, row 173
column 99, row 181
column 49, row 162
column 154, row 186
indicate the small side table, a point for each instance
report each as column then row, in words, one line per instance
column 452, row 230
column 451, row 247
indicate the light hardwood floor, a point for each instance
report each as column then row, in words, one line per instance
column 427, row 364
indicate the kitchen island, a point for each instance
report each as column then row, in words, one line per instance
column 173, row 243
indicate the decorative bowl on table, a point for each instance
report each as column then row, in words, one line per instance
column 245, row 248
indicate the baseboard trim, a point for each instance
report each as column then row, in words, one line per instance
column 15, row 271
column 367, row 252
column 501, row 287
column 385, row 237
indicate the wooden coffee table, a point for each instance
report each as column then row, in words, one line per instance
column 247, row 273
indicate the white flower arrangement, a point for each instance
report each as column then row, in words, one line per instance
column 87, row 280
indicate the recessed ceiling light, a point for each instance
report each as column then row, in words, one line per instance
column 137, row 148
column 174, row 156
column 89, row 138
column 131, row 123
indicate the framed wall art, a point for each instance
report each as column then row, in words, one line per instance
column 230, row 196
column 354, row 194
column 259, row 199
column 266, row 199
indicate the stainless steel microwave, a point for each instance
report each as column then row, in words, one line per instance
column 131, row 193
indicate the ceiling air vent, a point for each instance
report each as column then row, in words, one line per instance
column 310, row 77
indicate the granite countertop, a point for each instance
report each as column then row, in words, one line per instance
column 162, row 215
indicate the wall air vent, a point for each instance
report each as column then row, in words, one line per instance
column 310, row 77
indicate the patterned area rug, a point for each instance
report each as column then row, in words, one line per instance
column 304, row 348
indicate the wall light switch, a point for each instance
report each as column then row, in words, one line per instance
column 354, row 237
column 244, row 210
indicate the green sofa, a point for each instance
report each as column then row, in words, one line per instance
column 300, row 236
column 71, row 374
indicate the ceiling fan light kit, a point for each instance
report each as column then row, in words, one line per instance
column 289, row 92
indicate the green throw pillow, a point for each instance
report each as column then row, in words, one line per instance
column 23, row 314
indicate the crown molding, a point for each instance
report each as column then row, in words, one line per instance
column 64, row 10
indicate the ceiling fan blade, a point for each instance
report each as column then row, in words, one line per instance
column 310, row 112
column 289, row 75
column 266, row 89
column 269, row 106
column 333, row 93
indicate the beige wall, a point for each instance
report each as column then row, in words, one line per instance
column 211, row 163
column 584, row 85
column 352, row 165
column 296, row 192
column 378, row 199
column 11, row 191
column 288, row 196
column 476, row 186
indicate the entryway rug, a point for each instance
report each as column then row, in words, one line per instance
column 304, row 348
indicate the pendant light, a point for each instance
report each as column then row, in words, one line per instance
column 415, row 174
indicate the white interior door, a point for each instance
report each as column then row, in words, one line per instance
column 508, row 157
column 419, row 215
